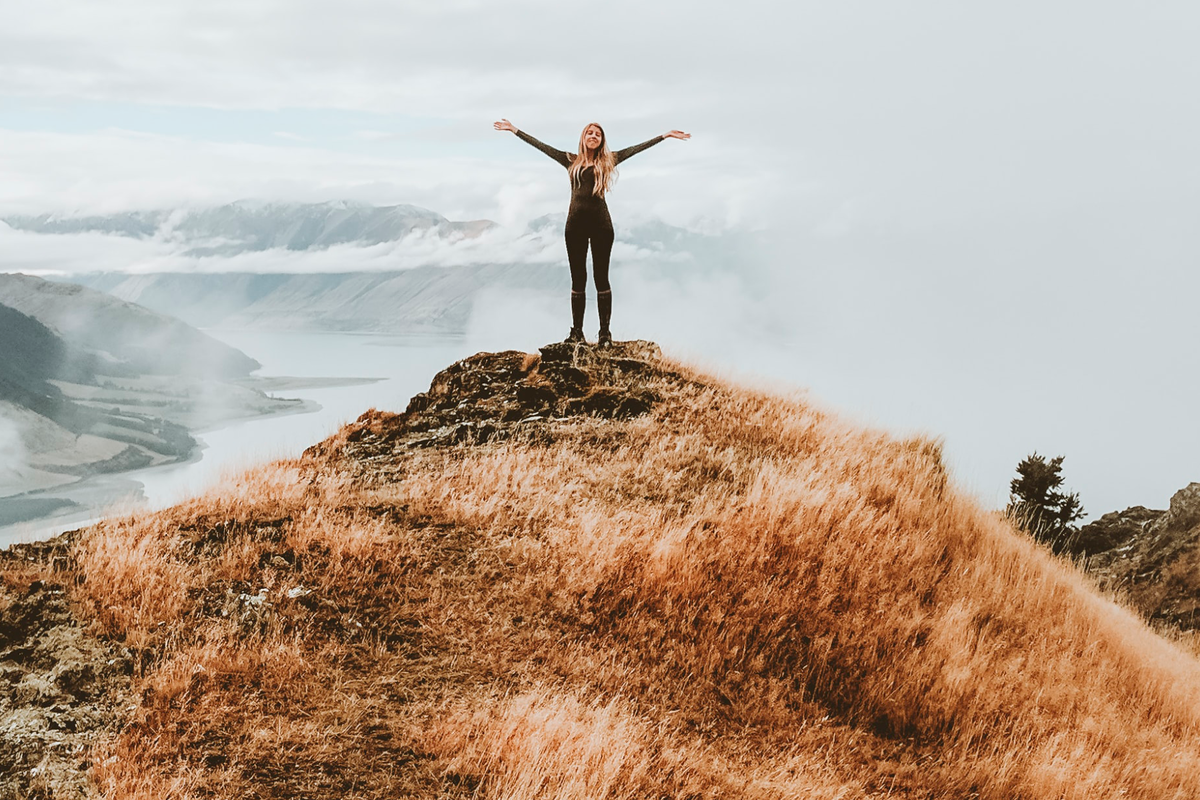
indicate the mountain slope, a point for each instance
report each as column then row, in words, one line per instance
column 603, row 574
column 421, row 300
column 92, row 384
column 135, row 339
column 32, row 356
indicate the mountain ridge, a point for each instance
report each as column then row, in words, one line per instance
column 135, row 339
column 248, row 226
column 589, row 572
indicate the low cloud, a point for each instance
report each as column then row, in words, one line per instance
column 66, row 254
column 36, row 254
column 12, row 454
column 697, row 184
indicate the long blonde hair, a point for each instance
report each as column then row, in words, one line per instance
column 604, row 163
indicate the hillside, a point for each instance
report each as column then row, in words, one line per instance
column 32, row 356
column 55, row 435
column 133, row 339
column 90, row 384
column 585, row 574
column 423, row 300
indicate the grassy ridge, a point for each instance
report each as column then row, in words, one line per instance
column 734, row 595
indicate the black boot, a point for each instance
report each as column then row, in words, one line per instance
column 604, row 304
column 578, row 305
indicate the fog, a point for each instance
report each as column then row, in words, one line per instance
column 976, row 346
column 65, row 254
column 977, row 221
column 12, row 454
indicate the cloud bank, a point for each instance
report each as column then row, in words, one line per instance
column 65, row 254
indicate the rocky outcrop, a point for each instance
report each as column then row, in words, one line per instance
column 491, row 396
column 1153, row 557
column 61, row 689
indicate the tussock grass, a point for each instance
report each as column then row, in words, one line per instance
column 737, row 595
column 549, row 744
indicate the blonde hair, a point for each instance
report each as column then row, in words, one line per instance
column 602, row 161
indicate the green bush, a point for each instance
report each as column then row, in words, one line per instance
column 1039, row 506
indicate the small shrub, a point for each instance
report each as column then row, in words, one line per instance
column 1039, row 506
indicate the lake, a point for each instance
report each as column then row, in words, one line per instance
column 397, row 368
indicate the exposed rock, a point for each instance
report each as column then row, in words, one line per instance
column 1113, row 532
column 1184, row 513
column 491, row 396
column 1152, row 556
column 60, row 688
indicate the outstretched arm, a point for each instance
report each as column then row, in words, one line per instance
column 621, row 155
column 557, row 155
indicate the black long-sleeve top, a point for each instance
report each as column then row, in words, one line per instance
column 582, row 190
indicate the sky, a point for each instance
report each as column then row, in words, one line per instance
column 980, row 217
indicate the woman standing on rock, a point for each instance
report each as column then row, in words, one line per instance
column 593, row 170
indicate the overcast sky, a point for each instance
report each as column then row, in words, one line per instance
column 983, row 217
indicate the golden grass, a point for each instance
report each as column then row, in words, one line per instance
column 550, row 744
column 735, row 596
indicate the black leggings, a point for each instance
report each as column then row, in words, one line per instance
column 580, row 229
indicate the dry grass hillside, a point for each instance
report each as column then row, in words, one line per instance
column 605, row 575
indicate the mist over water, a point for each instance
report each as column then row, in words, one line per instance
column 12, row 453
column 399, row 367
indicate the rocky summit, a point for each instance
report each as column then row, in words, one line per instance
column 1152, row 556
column 494, row 396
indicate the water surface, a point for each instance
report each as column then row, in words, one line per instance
column 380, row 372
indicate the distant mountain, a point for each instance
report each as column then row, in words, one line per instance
column 424, row 300
column 32, row 356
column 251, row 226
column 127, row 339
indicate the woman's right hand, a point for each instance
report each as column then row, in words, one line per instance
column 505, row 125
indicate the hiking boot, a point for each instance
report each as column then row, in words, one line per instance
column 604, row 304
column 576, row 335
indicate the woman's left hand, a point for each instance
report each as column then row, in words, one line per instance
column 677, row 135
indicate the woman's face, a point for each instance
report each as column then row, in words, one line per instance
column 592, row 137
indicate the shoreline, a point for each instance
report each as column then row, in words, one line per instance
column 95, row 497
